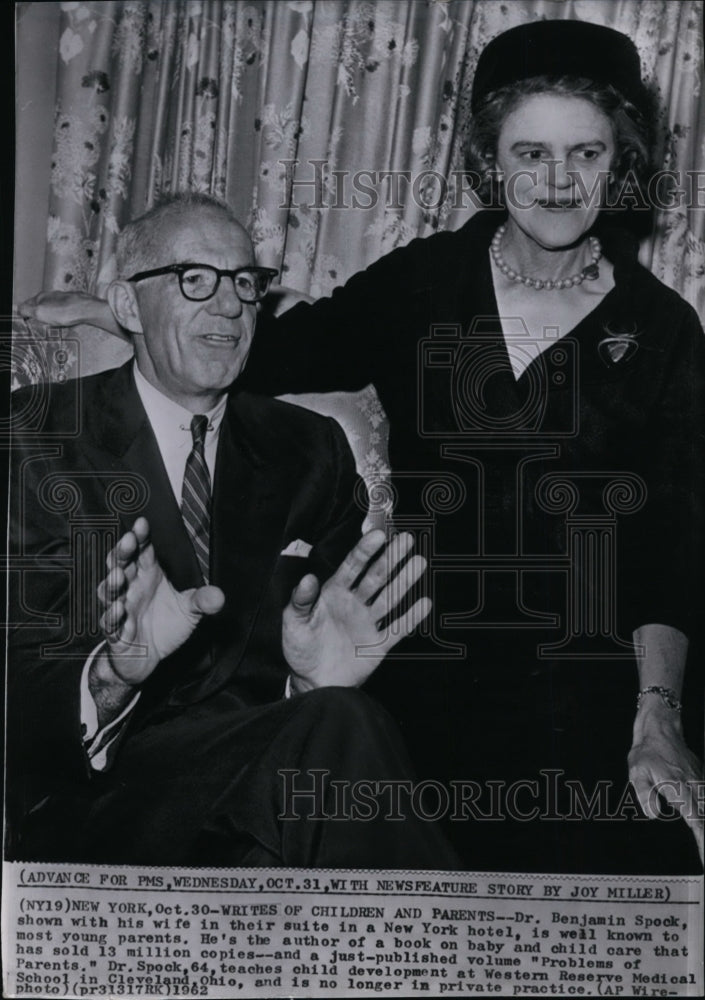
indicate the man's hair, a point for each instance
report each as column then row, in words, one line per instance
column 142, row 241
column 633, row 130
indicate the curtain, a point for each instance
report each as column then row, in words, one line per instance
column 297, row 111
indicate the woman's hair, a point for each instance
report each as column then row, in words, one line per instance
column 633, row 129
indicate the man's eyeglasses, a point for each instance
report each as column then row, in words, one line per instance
column 199, row 282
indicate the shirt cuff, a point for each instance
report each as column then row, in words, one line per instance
column 97, row 742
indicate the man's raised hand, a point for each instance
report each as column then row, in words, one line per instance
column 331, row 634
column 144, row 618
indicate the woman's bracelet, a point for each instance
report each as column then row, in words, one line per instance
column 668, row 695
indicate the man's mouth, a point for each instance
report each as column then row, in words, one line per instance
column 221, row 338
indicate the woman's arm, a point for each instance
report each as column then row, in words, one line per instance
column 71, row 309
column 76, row 308
column 339, row 343
column 660, row 763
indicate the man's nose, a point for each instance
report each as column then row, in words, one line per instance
column 225, row 301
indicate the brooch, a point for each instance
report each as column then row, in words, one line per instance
column 618, row 345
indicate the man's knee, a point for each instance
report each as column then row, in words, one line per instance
column 343, row 707
column 349, row 733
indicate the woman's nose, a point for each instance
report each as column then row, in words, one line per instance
column 558, row 174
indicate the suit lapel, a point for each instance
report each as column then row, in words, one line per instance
column 121, row 432
column 171, row 542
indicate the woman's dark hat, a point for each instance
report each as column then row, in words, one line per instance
column 560, row 48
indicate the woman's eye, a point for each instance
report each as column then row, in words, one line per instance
column 588, row 154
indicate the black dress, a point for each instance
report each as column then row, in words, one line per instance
column 558, row 512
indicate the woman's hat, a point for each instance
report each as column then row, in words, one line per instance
column 560, row 48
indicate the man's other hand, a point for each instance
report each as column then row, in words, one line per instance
column 339, row 633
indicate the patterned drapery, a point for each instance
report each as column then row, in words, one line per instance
column 295, row 111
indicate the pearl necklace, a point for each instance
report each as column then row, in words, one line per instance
column 589, row 273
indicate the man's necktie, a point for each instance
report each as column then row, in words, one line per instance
column 196, row 495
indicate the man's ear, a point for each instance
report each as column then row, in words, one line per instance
column 122, row 300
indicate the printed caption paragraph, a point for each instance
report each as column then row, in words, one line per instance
column 84, row 931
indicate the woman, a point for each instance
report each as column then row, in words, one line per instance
column 545, row 395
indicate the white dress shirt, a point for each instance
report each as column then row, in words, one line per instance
column 171, row 424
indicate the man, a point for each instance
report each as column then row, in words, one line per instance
column 219, row 512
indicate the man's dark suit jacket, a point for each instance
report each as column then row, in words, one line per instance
column 86, row 465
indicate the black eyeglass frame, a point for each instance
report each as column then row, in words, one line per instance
column 180, row 269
